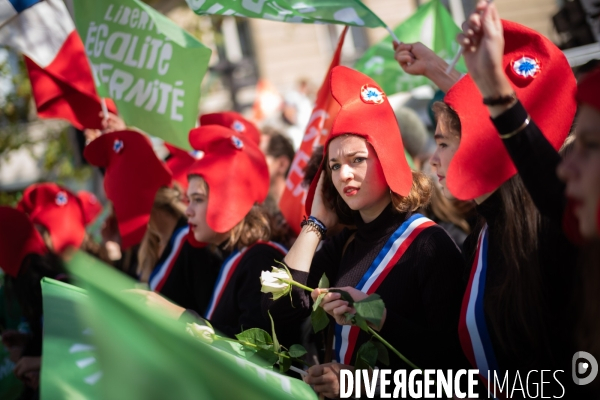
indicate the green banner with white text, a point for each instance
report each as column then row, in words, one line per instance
column 69, row 366
column 145, row 355
column 148, row 65
column 346, row 12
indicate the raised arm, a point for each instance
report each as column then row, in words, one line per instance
column 418, row 59
column 533, row 155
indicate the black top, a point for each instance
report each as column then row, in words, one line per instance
column 536, row 160
column 422, row 293
column 193, row 274
column 193, row 277
column 240, row 305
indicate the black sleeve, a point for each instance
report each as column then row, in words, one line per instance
column 247, row 290
column 192, row 279
column 431, row 339
column 536, row 161
column 201, row 278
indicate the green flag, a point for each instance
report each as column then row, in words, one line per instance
column 148, row 65
column 146, row 355
column 69, row 366
column 433, row 26
column 346, row 12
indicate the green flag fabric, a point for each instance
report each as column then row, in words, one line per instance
column 69, row 366
column 148, row 65
column 432, row 25
column 346, row 12
column 145, row 355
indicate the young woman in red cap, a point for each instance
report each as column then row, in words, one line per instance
column 225, row 187
column 151, row 214
column 537, row 161
column 395, row 252
column 518, row 296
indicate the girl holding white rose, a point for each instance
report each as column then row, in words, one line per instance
column 415, row 267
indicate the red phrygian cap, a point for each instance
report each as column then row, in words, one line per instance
column 18, row 239
column 234, row 169
column 366, row 112
column 58, row 210
column 543, row 82
column 235, row 121
column 133, row 176
column 91, row 206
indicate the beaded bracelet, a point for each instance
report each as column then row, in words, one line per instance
column 315, row 225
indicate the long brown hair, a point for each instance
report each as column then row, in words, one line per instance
column 166, row 200
column 418, row 197
column 451, row 210
column 515, row 307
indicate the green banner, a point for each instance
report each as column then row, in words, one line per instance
column 148, row 65
column 346, row 12
column 70, row 369
column 432, row 25
column 146, row 355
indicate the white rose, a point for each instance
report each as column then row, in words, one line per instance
column 202, row 332
column 276, row 282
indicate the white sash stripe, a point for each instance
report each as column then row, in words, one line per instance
column 380, row 268
column 392, row 252
column 344, row 346
column 221, row 283
column 163, row 268
column 471, row 321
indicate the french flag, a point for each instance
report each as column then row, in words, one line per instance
column 60, row 74
column 10, row 8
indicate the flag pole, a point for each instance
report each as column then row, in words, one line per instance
column 392, row 34
column 459, row 52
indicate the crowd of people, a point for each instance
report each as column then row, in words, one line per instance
column 486, row 255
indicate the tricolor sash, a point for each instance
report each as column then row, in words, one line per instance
column 386, row 260
column 161, row 272
column 227, row 270
column 472, row 329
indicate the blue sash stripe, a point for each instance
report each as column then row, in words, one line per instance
column 221, row 271
column 480, row 313
column 382, row 254
column 158, row 267
column 385, row 250
column 338, row 342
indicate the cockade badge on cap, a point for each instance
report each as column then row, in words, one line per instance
column 238, row 126
column 237, row 142
column 118, row 146
column 61, row 199
column 371, row 95
column 526, row 67
column 197, row 154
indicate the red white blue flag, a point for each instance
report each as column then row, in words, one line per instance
column 9, row 9
column 60, row 74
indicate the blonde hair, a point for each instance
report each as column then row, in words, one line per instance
column 166, row 200
column 254, row 227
